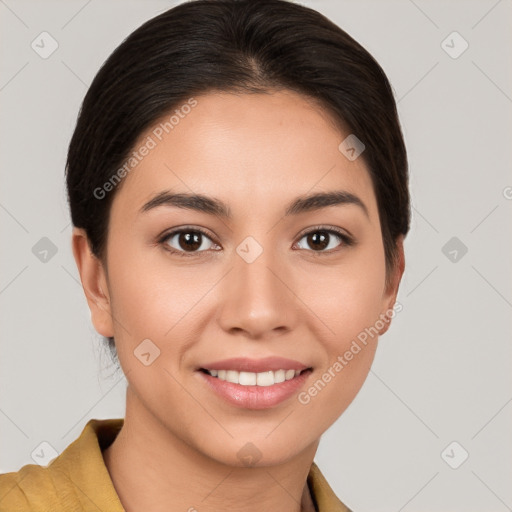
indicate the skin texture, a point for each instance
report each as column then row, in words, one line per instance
column 255, row 152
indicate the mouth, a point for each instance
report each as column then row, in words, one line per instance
column 262, row 379
column 254, row 383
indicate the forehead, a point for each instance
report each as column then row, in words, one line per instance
column 248, row 149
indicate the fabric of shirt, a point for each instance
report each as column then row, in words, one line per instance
column 78, row 480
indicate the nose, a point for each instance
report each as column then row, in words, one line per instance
column 258, row 298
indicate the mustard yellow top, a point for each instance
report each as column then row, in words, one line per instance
column 78, row 481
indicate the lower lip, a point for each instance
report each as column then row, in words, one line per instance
column 256, row 397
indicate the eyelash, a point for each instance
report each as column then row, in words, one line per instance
column 346, row 239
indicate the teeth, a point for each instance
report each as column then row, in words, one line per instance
column 254, row 379
column 279, row 376
column 265, row 379
column 232, row 376
column 247, row 379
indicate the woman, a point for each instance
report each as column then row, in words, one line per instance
column 237, row 182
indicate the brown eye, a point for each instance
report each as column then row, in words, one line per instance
column 319, row 240
column 324, row 240
column 187, row 241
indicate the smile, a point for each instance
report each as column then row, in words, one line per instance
column 255, row 390
column 268, row 378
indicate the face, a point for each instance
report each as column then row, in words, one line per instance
column 248, row 281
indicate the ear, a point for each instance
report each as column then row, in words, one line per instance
column 94, row 283
column 393, row 283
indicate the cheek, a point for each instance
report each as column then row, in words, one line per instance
column 348, row 304
column 150, row 294
column 347, row 298
column 152, row 300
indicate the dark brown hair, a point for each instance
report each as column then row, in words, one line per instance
column 234, row 45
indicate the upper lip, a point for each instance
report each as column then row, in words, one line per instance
column 244, row 364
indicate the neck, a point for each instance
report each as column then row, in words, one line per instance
column 152, row 469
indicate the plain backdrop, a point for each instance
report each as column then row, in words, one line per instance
column 440, row 388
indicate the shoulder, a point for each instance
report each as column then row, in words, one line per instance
column 76, row 480
column 29, row 489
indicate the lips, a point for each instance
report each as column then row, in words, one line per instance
column 255, row 384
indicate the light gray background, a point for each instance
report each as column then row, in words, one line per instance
column 443, row 371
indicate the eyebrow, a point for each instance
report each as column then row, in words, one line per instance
column 214, row 206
